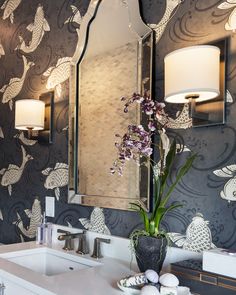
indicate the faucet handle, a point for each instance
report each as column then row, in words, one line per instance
column 97, row 249
column 82, row 246
column 68, row 244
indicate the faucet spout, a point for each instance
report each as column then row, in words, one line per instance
column 68, row 236
column 83, row 246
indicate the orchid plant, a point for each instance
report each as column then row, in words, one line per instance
column 137, row 144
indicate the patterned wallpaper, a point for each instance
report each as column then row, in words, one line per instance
column 37, row 42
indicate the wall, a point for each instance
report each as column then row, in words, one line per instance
column 49, row 53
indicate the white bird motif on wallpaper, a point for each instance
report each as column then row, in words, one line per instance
column 182, row 121
column 160, row 27
column 38, row 28
column 76, row 16
column 15, row 85
column 2, row 51
column 96, row 222
column 229, row 191
column 1, row 133
column 56, row 177
column 35, row 216
column 198, row 236
column 229, row 97
column 231, row 23
column 25, row 140
column 9, row 7
column 58, row 74
column 13, row 173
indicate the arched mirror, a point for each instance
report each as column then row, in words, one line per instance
column 114, row 58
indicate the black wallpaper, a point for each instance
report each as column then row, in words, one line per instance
column 191, row 22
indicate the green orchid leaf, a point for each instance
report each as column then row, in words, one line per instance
column 152, row 227
column 156, row 195
column 138, row 208
column 161, row 212
column 160, row 182
column 169, row 162
column 173, row 207
column 183, row 170
column 158, row 216
column 170, row 208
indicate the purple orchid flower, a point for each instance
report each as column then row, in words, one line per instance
column 136, row 142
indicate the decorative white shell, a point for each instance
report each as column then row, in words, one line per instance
column 169, row 280
column 149, row 290
column 152, row 276
column 135, row 280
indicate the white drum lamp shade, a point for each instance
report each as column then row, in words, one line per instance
column 29, row 114
column 192, row 72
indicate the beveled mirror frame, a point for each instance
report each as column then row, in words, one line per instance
column 74, row 196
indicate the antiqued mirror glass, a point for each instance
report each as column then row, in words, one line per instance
column 114, row 59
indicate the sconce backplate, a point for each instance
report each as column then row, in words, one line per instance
column 214, row 110
column 46, row 136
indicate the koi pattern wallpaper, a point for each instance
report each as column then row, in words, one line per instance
column 37, row 42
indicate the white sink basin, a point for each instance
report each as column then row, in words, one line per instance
column 48, row 261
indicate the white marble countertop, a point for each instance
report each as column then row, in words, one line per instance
column 96, row 280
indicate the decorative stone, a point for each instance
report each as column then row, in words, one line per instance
column 149, row 290
column 183, row 291
column 169, row 280
column 168, row 291
column 152, row 276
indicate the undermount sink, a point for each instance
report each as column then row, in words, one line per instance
column 49, row 261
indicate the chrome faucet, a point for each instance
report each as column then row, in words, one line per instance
column 68, row 237
column 83, row 246
column 97, row 249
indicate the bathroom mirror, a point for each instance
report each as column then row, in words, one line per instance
column 114, row 58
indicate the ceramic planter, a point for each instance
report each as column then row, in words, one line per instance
column 150, row 253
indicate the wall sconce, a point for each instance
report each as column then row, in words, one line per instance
column 29, row 115
column 36, row 116
column 192, row 74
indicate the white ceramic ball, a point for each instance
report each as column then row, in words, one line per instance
column 169, row 280
column 149, row 290
column 152, row 276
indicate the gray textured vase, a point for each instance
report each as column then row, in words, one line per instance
column 150, row 253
